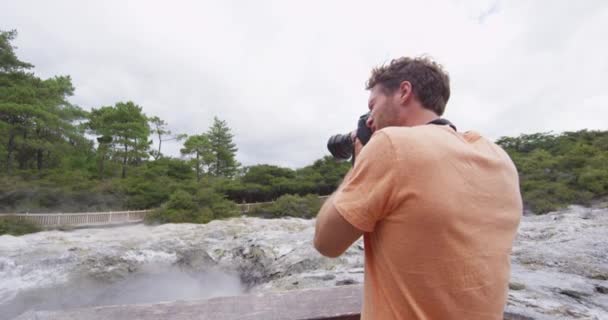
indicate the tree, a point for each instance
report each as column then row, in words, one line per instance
column 123, row 131
column 159, row 128
column 559, row 170
column 35, row 116
column 324, row 174
column 200, row 147
column 13, row 115
column 223, row 150
column 9, row 63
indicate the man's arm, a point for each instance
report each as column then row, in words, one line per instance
column 333, row 234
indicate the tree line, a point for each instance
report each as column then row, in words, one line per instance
column 56, row 156
column 557, row 170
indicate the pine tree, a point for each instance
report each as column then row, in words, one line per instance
column 223, row 150
column 123, row 131
column 199, row 147
column 39, row 125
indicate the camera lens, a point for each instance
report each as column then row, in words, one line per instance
column 340, row 146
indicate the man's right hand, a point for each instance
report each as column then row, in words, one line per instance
column 357, row 147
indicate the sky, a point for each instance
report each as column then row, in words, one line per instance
column 286, row 75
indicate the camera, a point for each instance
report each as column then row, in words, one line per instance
column 341, row 146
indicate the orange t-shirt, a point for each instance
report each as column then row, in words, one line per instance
column 440, row 210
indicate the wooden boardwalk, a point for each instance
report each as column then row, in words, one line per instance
column 338, row 303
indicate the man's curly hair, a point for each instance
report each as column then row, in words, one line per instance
column 430, row 83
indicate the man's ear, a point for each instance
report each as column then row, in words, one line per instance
column 405, row 91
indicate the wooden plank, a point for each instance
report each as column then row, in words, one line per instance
column 338, row 303
column 342, row 303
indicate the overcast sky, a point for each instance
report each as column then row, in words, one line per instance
column 286, row 75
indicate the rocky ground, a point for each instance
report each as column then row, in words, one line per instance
column 560, row 263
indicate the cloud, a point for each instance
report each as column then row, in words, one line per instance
column 287, row 75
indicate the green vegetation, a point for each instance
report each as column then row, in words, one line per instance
column 16, row 227
column 58, row 157
column 559, row 170
column 290, row 206
column 49, row 163
column 205, row 205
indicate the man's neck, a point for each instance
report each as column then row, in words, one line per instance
column 422, row 117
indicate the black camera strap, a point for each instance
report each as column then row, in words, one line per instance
column 443, row 122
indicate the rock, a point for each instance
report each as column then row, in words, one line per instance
column 574, row 294
column 346, row 282
column 253, row 263
column 558, row 260
column 601, row 289
column 599, row 276
column 302, row 266
column 516, row 286
column 325, row 277
column 195, row 259
column 107, row 268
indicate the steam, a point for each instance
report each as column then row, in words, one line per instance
column 150, row 284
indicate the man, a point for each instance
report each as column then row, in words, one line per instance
column 438, row 209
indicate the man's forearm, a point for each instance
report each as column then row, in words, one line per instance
column 333, row 234
column 329, row 201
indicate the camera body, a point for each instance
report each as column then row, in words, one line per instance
column 341, row 146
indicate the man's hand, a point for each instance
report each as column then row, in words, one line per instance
column 358, row 147
column 356, row 144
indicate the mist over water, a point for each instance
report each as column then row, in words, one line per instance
column 151, row 284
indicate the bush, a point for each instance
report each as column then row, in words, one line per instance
column 203, row 207
column 16, row 227
column 215, row 202
column 290, row 206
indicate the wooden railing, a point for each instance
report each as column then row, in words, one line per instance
column 81, row 219
column 338, row 303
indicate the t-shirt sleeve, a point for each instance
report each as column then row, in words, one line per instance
column 366, row 195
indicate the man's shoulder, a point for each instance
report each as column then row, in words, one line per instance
column 433, row 141
column 415, row 137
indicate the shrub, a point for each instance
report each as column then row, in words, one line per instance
column 16, row 227
column 290, row 205
column 182, row 206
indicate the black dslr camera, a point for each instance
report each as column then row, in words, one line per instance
column 342, row 146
